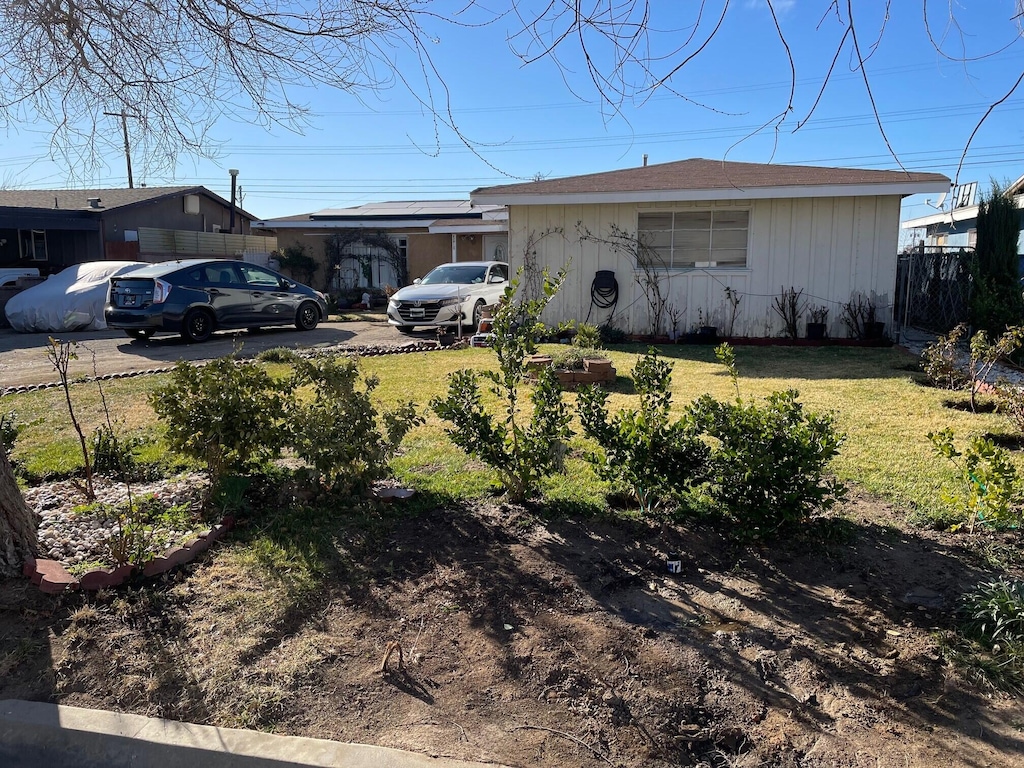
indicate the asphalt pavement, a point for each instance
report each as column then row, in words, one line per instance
column 24, row 362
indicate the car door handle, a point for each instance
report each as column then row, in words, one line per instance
column 257, row 294
column 214, row 292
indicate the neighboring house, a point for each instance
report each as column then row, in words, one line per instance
column 955, row 222
column 706, row 225
column 371, row 245
column 51, row 229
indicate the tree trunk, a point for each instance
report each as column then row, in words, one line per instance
column 18, row 522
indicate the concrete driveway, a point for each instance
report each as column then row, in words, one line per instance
column 23, row 359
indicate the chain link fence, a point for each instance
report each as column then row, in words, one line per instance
column 933, row 288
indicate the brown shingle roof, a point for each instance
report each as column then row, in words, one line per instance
column 700, row 174
column 78, row 199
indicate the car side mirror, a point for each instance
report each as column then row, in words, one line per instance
column 417, row 281
column 496, row 279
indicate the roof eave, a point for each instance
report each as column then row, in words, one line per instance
column 903, row 188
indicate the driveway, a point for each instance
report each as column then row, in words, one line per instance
column 23, row 359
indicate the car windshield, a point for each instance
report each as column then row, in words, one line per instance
column 455, row 274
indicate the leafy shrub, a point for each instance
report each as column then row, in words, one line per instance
column 587, row 337
column 227, row 414
column 769, row 467
column 520, row 453
column 990, row 490
column 642, row 451
column 339, row 433
column 611, row 335
column 942, row 361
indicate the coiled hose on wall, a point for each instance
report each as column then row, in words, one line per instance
column 604, row 292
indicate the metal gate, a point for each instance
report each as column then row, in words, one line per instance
column 933, row 288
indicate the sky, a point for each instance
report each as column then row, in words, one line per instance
column 529, row 120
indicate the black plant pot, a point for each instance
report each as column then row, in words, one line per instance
column 816, row 331
column 708, row 333
column 446, row 339
column 874, row 331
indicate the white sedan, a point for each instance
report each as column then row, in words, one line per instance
column 449, row 295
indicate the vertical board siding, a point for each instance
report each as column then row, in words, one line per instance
column 829, row 247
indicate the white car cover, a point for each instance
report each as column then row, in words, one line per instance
column 71, row 300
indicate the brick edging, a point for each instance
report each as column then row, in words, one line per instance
column 53, row 578
column 369, row 350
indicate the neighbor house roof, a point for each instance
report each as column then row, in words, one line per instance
column 397, row 214
column 78, row 199
column 699, row 179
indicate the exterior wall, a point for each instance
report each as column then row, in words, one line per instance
column 829, row 247
column 426, row 251
column 169, row 213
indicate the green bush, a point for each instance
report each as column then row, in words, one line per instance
column 9, row 430
column 338, row 433
column 643, row 451
column 114, row 455
column 227, row 414
column 587, row 337
column 769, row 466
column 520, row 453
column 990, row 489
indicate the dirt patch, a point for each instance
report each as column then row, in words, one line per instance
column 552, row 643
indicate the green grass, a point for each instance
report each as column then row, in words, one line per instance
column 872, row 392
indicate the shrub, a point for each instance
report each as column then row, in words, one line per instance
column 642, row 451
column 339, row 432
column 278, row 355
column 227, row 414
column 990, row 489
column 942, row 361
column 611, row 335
column 1010, row 398
column 769, row 465
column 520, row 453
column 996, row 301
column 587, row 337
column 571, row 358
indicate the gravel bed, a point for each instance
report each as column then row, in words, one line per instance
column 75, row 536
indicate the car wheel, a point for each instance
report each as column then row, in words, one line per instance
column 197, row 325
column 307, row 317
column 478, row 311
column 140, row 334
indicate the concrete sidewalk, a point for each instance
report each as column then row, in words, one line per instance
column 34, row 735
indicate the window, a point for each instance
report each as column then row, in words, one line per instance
column 33, row 244
column 259, row 278
column 679, row 240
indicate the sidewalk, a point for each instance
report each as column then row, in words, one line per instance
column 34, row 735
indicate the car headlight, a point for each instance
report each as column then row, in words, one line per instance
column 392, row 304
column 450, row 302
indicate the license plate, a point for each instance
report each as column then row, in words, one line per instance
column 129, row 301
column 416, row 312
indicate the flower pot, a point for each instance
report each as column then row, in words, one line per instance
column 446, row 339
column 816, row 331
column 874, row 330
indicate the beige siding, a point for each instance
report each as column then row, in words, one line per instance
column 828, row 247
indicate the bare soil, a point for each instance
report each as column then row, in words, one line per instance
column 553, row 643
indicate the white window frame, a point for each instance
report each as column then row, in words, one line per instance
column 669, row 263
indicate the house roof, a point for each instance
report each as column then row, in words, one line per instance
column 78, row 199
column 700, row 179
column 965, row 213
column 396, row 214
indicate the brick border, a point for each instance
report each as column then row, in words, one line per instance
column 53, row 578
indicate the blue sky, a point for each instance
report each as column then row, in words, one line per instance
column 528, row 120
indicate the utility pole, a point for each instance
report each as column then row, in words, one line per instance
column 233, row 172
column 127, row 150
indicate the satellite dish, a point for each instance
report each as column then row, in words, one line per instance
column 937, row 205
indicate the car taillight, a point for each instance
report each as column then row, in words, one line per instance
column 161, row 290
